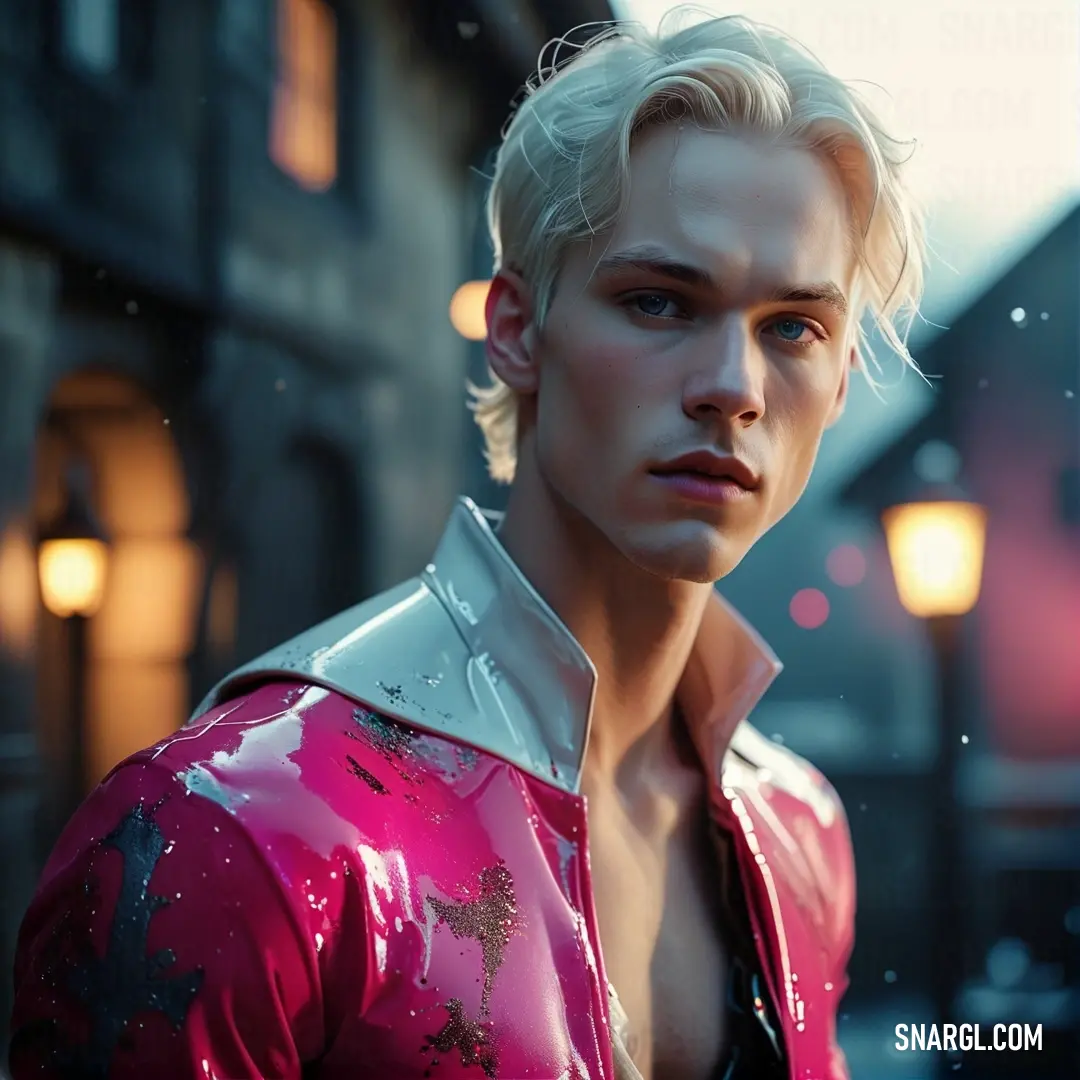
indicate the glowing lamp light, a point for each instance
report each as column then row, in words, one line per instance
column 72, row 574
column 73, row 558
column 467, row 310
column 936, row 550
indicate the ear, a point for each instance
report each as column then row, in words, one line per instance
column 842, row 392
column 511, row 335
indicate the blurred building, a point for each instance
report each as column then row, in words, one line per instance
column 1006, row 424
column 229, row 233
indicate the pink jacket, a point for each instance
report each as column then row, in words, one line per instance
column 366, row 857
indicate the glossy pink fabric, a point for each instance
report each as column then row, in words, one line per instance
column 365, row 901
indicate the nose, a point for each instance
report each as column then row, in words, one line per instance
column 727, row 378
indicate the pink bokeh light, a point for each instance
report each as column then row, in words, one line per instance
column 846, row 565
column 809, row 608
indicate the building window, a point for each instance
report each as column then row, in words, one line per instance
column 90, row 35
column 304, row 120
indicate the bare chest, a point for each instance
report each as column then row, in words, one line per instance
column 663, row 948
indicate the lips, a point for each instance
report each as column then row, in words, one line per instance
column 711, row 466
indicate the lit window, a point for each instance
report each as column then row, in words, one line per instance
column 303, row 133
column 90, row 34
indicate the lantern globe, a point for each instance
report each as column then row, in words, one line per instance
column 72, row 574
column 936, row 550
column 73, row 560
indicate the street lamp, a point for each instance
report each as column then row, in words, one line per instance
column 73, row 560
column 936, row 548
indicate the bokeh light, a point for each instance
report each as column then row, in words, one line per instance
column 809, row 608
column 72, row 574
column 936, row 550
column 467, row 310
column 846, row 565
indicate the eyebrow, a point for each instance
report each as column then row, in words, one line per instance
column 654, row 261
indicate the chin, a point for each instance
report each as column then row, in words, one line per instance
column 689, row 551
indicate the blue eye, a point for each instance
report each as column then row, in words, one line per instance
column 651, row 304
column 790, row 329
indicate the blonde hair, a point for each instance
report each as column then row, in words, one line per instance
column 562, row 170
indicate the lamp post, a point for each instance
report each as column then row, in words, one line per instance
column 936, row 548
column 73, row 558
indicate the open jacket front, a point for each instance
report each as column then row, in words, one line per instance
column 366, row 856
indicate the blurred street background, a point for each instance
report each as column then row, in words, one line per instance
column 236, row 245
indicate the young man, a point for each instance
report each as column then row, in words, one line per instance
column 509, row 819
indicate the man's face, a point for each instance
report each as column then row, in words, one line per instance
column 711, row 320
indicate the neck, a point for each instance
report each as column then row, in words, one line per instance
column 637, row 629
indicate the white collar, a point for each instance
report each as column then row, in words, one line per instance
column 470, row 650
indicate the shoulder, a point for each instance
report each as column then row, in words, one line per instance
column 236, row 798
column 312, row 777
column 300, row 767
column 403, row 656
column 220, row 862
column 792, row 775
column 158, row 905
column 809, row 809
column 247, row 810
